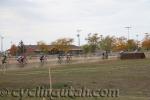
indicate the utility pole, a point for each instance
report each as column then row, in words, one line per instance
column 128, row 29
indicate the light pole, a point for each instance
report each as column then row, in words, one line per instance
column 137, row 40
column 137, row 37
column 147, row 35
column 128, row 29
column 78, row 35
column 101, row 36
column 11, row 43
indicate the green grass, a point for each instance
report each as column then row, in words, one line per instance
column 131, row 77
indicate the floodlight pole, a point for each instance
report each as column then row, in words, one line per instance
column 147, row 35
column 137, row 40
column 128, row 29
column 11, row 43
column 78, row 35
column 101, row 36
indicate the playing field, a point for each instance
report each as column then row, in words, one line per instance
column 131, row 77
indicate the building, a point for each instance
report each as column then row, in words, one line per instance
column 34, row 50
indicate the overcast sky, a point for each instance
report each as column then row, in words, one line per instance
column 34, row 20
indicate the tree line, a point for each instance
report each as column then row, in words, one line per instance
column 108, row 43
column 60, row 45
column 95, row 42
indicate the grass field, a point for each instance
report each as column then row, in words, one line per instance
column 131, row 77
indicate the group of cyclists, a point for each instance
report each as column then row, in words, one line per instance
column 22, row 60
column 68, row 58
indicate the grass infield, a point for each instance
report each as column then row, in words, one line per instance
column 131, row 77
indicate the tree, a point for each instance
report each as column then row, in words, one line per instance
column 146, row 43
column 107, row 43
column 120, row 44
column 131, row 45
column 43, row 47
column 86, row 49
column 21, row 48
column 63, row 45
column 13, row 50
column 93, row 40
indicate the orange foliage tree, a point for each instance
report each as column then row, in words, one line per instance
column 146, row 43
column 132, row 45
column 63, row 44
column 120, row 44
column 43, row 47
column 13, row 50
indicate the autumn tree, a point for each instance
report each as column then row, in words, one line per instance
column 21, row 48
column 107, row 43
column 93, row 41
column 42, row 46
column 146, row 43
column 13, row 50
column 63, row 44
column 120, row 44
column 131, row 45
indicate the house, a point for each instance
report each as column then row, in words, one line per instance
column 34, row 50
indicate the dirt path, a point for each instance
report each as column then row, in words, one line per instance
column 35, row 63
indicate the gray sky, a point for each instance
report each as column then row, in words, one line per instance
column 34, row 20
